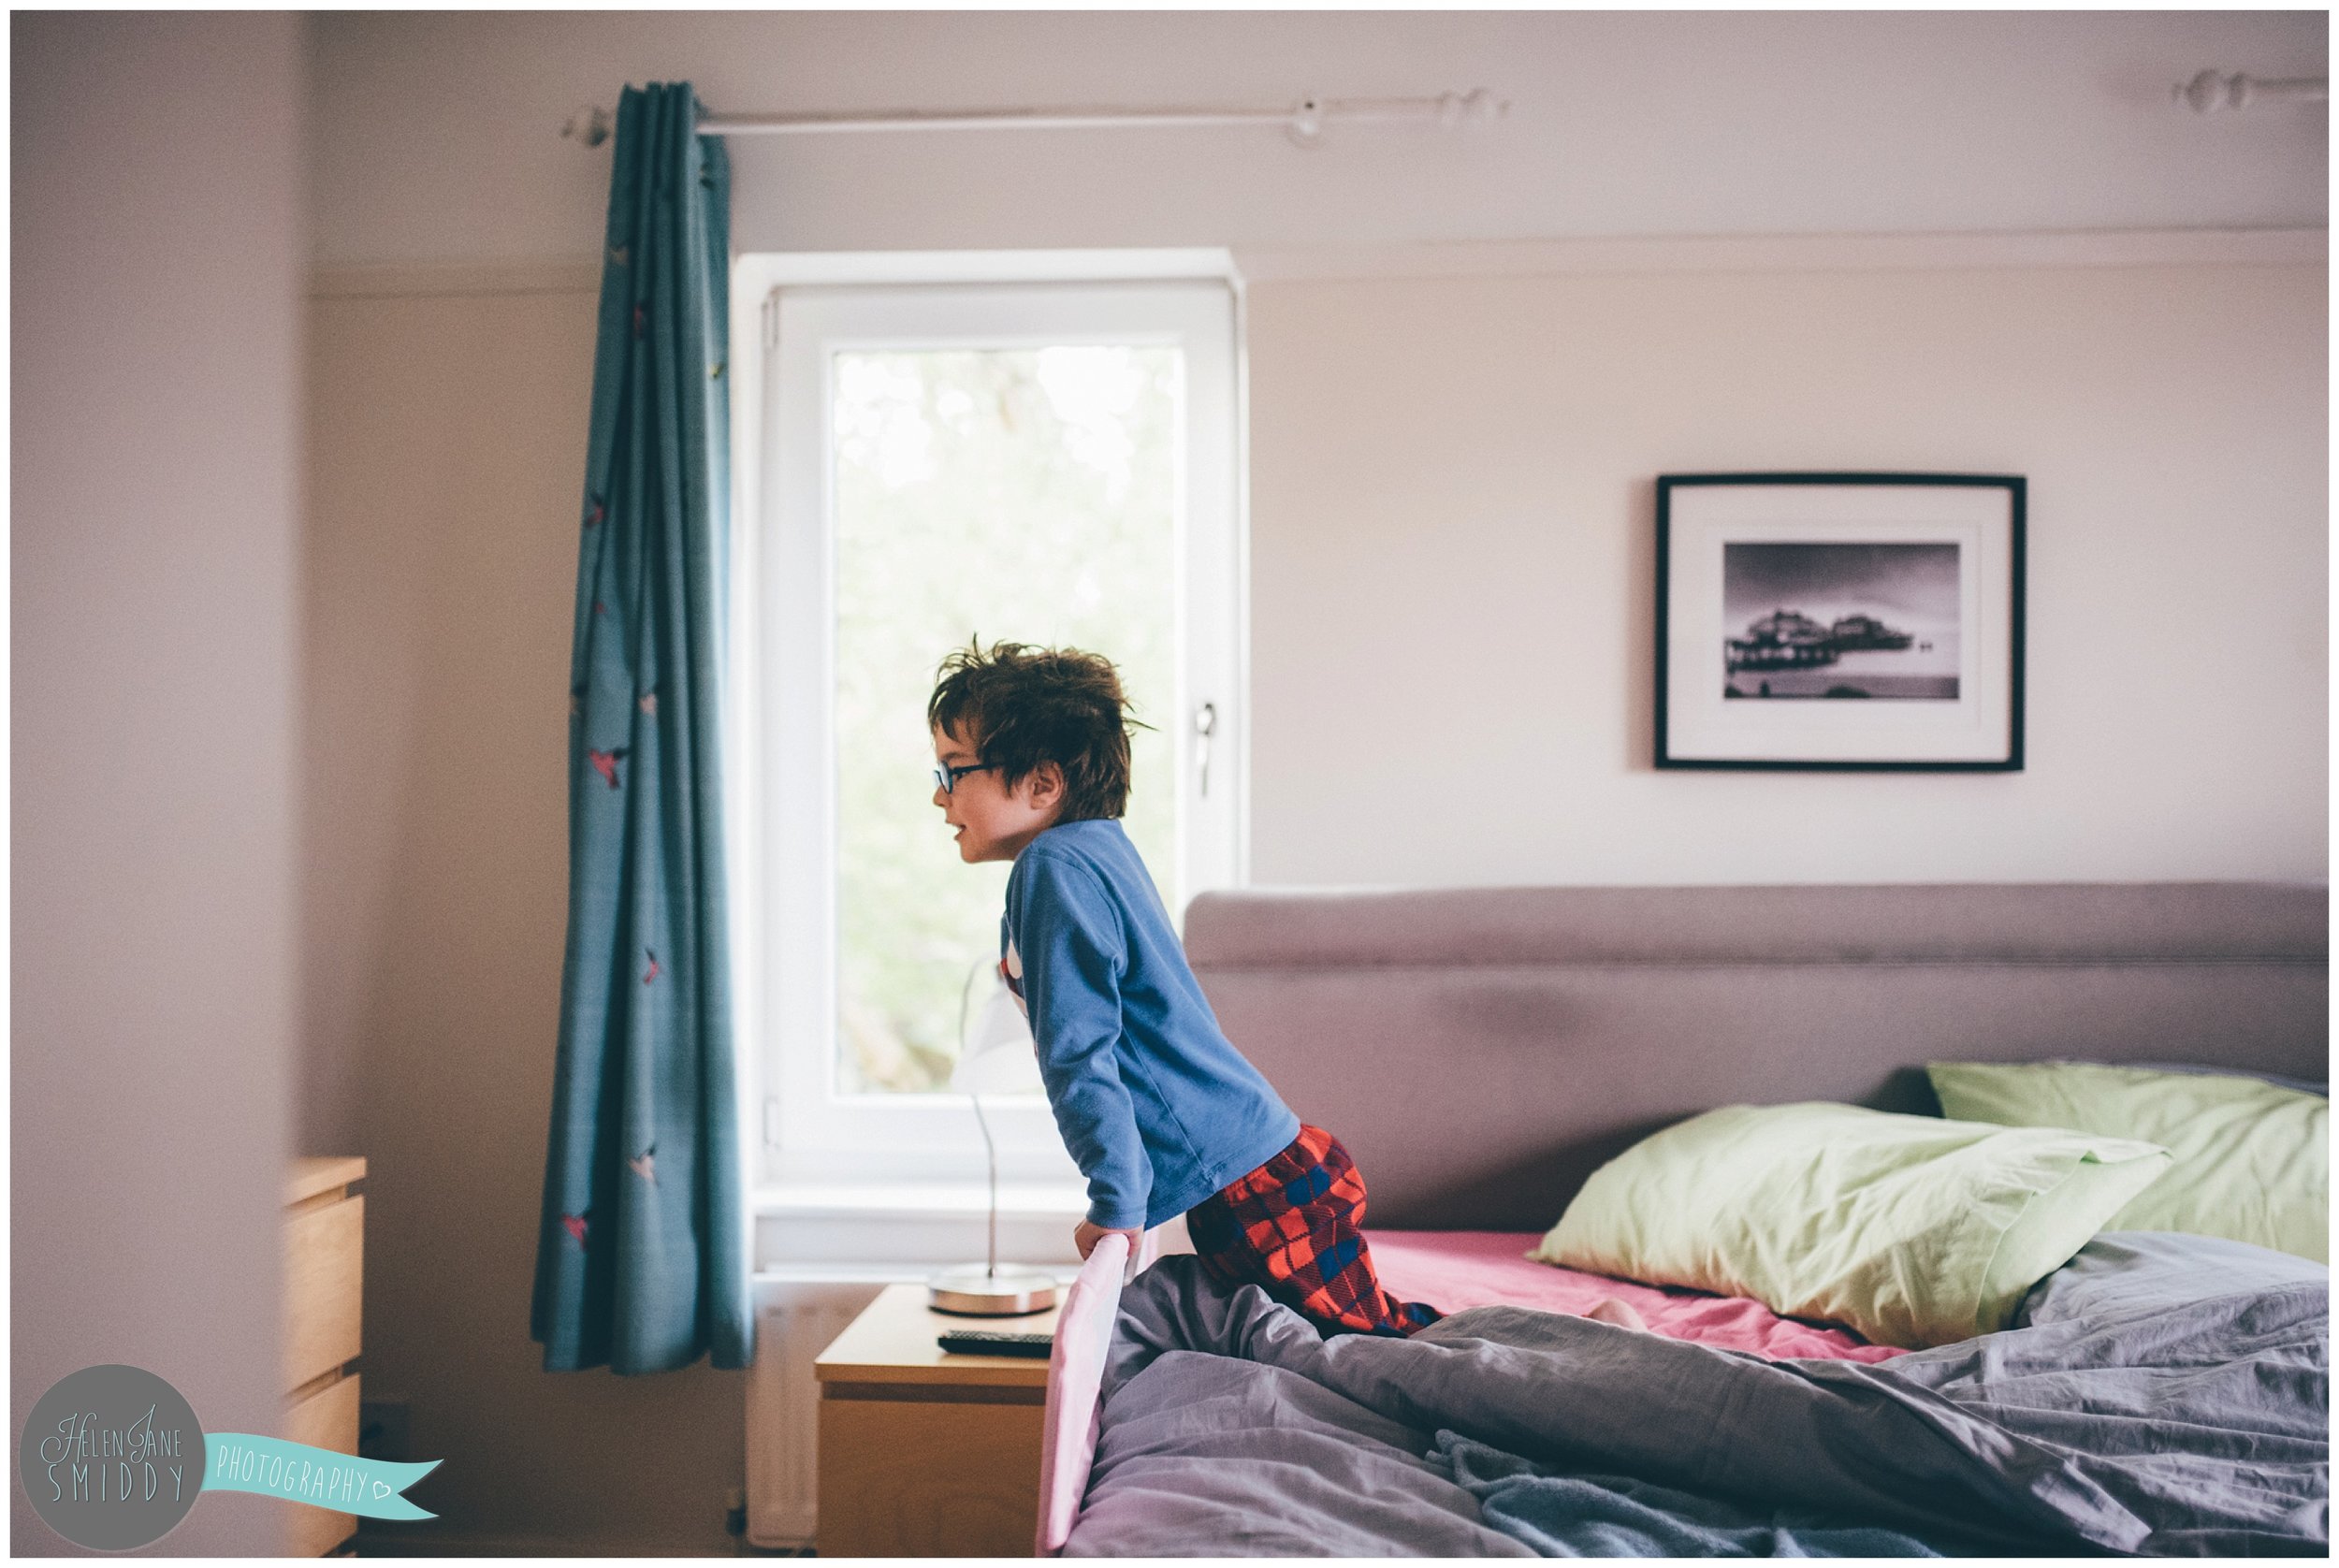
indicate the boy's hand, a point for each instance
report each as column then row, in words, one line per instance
column 1086, row 1237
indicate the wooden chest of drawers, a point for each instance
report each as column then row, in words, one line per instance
column 324, row 1230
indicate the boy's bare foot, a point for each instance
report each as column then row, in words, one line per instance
column 1620, row 1312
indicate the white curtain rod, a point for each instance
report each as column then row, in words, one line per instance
column 1303, row 122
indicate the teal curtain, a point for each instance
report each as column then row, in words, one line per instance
column 641, row 1257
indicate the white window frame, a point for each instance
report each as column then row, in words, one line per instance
column 790, row 312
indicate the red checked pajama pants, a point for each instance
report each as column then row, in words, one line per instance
column 1292, row 1229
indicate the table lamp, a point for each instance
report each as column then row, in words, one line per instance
column 998, row 1059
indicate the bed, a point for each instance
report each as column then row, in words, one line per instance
column 1483, row 1052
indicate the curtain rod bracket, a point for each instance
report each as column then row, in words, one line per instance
column 1307, row 122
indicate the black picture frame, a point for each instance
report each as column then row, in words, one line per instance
column 1681, row 496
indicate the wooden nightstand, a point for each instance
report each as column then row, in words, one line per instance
column 923, row 1453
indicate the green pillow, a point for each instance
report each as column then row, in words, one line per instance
column 2252, row 1161
column 1914, row 1230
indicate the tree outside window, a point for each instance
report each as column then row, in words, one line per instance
column 1023, row 495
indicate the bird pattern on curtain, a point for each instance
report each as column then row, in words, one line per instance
column 641, row 1260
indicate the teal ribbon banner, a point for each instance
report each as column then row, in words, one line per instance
column 241, row 1462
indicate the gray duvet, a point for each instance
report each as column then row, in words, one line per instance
column 2162, row 1394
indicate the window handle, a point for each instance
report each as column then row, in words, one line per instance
column 1205, row 725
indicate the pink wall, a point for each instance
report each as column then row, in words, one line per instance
column 1452, row 492
column 158, row 249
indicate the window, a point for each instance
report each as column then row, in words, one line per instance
column 1018, row 458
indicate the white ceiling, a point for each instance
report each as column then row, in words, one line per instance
column 433, row 136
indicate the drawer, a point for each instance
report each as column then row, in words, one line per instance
column 906, row 1478
column 326, row 1419
column 324, row 1286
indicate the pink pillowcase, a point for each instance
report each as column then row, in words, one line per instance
column 1451, row 1270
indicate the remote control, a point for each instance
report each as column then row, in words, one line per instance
column 987, row 1342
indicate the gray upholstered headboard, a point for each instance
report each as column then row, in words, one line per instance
column 1482, row 1050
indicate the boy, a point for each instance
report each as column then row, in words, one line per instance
column 1161, row 1112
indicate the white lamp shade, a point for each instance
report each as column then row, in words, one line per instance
column 1000, row 1058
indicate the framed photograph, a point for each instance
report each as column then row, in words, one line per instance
column 1844, row 621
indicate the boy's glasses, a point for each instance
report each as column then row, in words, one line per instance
column 946, row 778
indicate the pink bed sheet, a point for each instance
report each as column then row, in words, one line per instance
column 1451, row 1270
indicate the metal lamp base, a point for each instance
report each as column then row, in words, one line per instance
column 1005, row 1291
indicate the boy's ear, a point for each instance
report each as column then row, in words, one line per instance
column 1047, row 784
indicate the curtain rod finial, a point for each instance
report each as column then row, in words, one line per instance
column 591, row 125
column 2213, row 90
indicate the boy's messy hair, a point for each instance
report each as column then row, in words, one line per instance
column 1020, row 706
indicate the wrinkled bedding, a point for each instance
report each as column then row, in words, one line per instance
column 2162, row 1395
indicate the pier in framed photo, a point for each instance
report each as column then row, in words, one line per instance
column 1840, row 621
column 1873, row 621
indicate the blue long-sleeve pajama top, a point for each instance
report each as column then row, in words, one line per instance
column 1157, row 1108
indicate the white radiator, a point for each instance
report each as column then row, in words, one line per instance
column 794, row 1322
